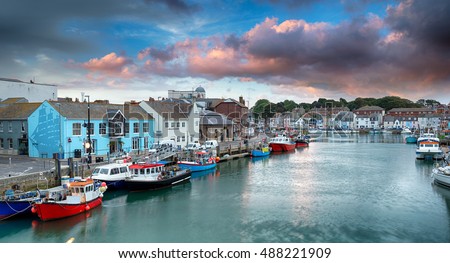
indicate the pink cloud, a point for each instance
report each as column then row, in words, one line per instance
column 111, row 65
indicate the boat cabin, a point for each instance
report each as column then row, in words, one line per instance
column 147, row 170
column 111, row 171
column 81, row 191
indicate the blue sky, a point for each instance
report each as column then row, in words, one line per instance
column 273, row 49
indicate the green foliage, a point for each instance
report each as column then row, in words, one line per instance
column 266, row 109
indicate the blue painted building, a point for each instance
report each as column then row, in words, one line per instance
column 61, row 129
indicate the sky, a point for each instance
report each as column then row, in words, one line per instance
column 300, row 50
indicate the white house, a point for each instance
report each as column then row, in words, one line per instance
column 177, row 121
column 33, row 92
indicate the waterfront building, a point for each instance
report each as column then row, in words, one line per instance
column 59, row 129
column 369, row 117
column 215, row 126
column 429, row 122
column 31, row 91
column 177, row 121
column 198, row 93
column 236, row 111
column 400, row 122
column 14, row 125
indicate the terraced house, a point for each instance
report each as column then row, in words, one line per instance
column 14, row 114
column 61, row 128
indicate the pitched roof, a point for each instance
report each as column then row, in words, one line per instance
column 229, row 100
column 79, row 110
column 18, row 111
column 174, row 109
column 411, row 109
column 13, row 100
column 372, row 108
column 208, row 117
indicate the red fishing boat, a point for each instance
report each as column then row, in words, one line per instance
column 281, row 143
column 70, row 199
column 301, row 141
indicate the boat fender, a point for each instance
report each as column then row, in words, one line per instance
column 159, row 177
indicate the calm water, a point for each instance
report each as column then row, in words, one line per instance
column 363, row 189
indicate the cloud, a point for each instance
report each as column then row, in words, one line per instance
column 353, row 57
column 111, row 65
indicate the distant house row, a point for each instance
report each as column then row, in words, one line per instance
column 367, row 117
column 63, row 128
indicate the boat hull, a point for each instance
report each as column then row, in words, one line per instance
column 115, row 184
column 441, row 179
column 259, row 153
column 136, row 184
column 301, row 144
column 15, row 208
column 411, row 139
column 56, row 210
column 282, row 147
column 196, row 167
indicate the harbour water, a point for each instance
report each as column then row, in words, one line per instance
column 358, row 189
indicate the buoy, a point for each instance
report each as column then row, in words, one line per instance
column 103, row 184
column 88, row 207
column 33, row 209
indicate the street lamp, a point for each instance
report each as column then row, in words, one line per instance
column 88, row 144
column 60, row 131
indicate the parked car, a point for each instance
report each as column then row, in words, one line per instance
column 210, row 144
column 193, row 146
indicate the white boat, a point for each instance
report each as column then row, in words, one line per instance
column 441, row 175
column 112, row 174
column 428, row 147
column 406, row 131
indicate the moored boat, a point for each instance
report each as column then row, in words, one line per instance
column 17, row 204
column 70, row 199
column 441, row 176
column 153, row 176
column 112, row 174
column 260, row 151
column 301, row 141
column 281, row 143
column 200, row 161
column 411, row 139
column 428, row 147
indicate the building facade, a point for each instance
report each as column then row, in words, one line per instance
column 33, row 92
column 14, row 127
column 61, row 129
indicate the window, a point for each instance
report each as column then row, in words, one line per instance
column 1, row 126
column 145, row 142
column 102, row 128
column 10, row 143
column 166, row 124
column 10, row 126
column 76, row 129
column 135, row 145
column 145, row 127
column 172, row 125
column 123, row 169
column 183, row 124
column 23, row 126
column 1, row 143
column 136, row 127
column 118, row 128
column 178, row 124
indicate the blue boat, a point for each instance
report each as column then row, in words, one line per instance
column 202, row 161
column 264, row 151
column 411, row 139
column 12, row 204
column 195, row 166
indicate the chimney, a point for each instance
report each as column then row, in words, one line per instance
column 241, row 100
